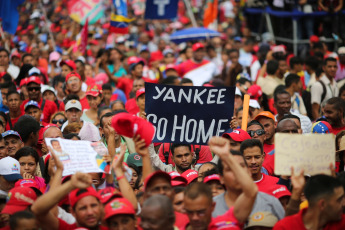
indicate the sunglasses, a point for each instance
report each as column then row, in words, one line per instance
column 61, row 121
column 259, row 132
column 34, row 88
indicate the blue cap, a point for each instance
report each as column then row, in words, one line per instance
column 9, row 133
column 144, row 48
column 32, row 103
column 238, row 39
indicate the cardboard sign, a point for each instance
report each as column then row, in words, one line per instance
column 311, row 152
column 188, row 114
column 79, row 156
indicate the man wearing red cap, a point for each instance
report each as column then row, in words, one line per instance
column 236, row 137
column 269, row 123
column 198, row 69
column 73, row 86
column 120, row 214
column 67, row 67
column 48, row 108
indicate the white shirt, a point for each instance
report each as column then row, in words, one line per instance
column 317, row 90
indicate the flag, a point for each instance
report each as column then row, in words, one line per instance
column 9, row 15
column 119, row 20
column 211, row 13
column 161, row 9
column 80, row 10
column 84, row 35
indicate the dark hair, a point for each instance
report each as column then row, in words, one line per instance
column 117, row 101
column 169, row 80
column 69, row 136
column 290, row 116
column 341, row 178
column 101, row 109
column 312, row 62
column 7, row 77
column 57, row 79
column 178, row 189
column 197, row 189
column 79, row 61
column 174, row 146
column 234, row 153
column 320, row 186
column 210, row 163
column 25, row 126
column 328, row 60
column 3, row 114
column 210, row 47
column 255, row 122
column 233, row 50
column 71, row 97
column 279, row 92
column 341, row 90
column 110, row 114
column 26, row 55
column 318, row 45
column 295, row 61
column 338, row 103
column 8, row 85
column 14, row 219
column 5, row 50
column 291, row 78
column 27, row 151
column 210, row 172
column 272, row 67
column 107, row 86
column 185, row 80
column 12, row 92
column 250, row 143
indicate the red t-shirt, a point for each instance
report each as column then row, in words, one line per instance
column 295, row 222
column 269, row 164
column 13, row 121
column 335, row 131
column 205, row 154
column 131, row 106
column 49, row 109
column 84, row 103
column 268, row 148
column 65, row 226
column 189, row 65
column 266, row 183
column 125, row 84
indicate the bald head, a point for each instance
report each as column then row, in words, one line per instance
column 52, row 132
column 287, row 126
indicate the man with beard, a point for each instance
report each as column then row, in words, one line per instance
column 334, row 111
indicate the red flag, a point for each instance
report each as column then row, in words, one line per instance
column 211, row 13
column 84, row 35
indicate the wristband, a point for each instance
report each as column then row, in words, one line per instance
column 120, row 177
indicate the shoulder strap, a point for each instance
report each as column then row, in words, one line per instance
column 323, row 92
column 42, row 166
column 166, row 155
column 9, row 120
column 43, row 104
column 197, row 152
column 57, row 104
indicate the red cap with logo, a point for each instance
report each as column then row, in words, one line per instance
column 197, row 46
column 72, row 74
column 19, row 199
column 26, row 183
column 212, row 178
column 238, row 135
column 118, row 206
column 34, row 79
column 278, row 191
column 75, row 196
column 190, row 175
column 155, row 175
column 177, row 179
column 93, row 90
column 139, row 92
column 108, row 193
column 255, row 92
column 69, row 63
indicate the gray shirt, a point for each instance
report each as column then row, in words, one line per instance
column 263, row 202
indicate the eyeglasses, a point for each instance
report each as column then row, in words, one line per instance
column 34, row 88
column 70, row 81
column 61, row 121
column 259, row 132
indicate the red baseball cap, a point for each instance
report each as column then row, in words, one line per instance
column 154, row 175
column 109, row 193
column 134, row 60
column 126, row 124
column 93, row 90
column 74, row 197
column 265, row 114
column 211, row 178
column 170, row 66
column 190, row 175
column 255, row 92
column 34, row 79
column 23, row 82
column 279, row 191
column 177, row 179
column 238, row 135
column 69, row 63
column 118, row 206
column 26, row 183
column 139, row 93
column 197, row 46
column 72, row 74
column 314, row 39
column 19, row 199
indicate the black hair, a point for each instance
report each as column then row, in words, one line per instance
column 272, row 67
column 234, row 153
column 169, row 80
column 24, row 72
column 295, row 61
column 312, row 62
column 338, row 103
column 210, row 172
column 328, row 60
column 341, row 178
column 250, row 143
column 185, row 80
column 255, row 122
column 290, row 116
column 174, row 146
column 69, row 136
column 71, row 97
column 136, row 168
column 117, row 101
column 12, row 92
column 107, row 86
column 320, row 186
column 16, row 217
column 57, row 79
column 25, row 126
column 341, row 90
column 196, row 189
column 233, row 50
column 291, row 78
column 8, row 85
column 101, row 109
column 79, row 61
column 279, row 92
column 3, row 114
column 27, row 151
column 243, row 80
column 7, row 77
column 318, row 45
column 5, row 50
column 209, row 163
column 110, row 114
column 179, row 189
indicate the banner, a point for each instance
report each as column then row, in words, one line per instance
column 80, row 10
column 9, row 15
column 161, row 9
column 79, row 156
column 211, row 14
column 188, row 114
column 119, row 19
column 83, row 38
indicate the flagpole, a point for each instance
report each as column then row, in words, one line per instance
column 46, row 24
column 190, row 13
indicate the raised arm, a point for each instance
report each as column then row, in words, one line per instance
column 143, row 151
column 245, row 202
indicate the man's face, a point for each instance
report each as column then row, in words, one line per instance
column 199, row 55
column 65, row 70
column 34, row 91
column 107, row 94
column 73, row 85
column 49, row 95
column 138, row 84
column 5, row 185
column 160, row 186
column 269, row 126
column 73, row 115
column 56, row 146
column 28, row 60
column 13, row 102
column 283, row 104
column 13, row 144
column 199, row 211
column 53, row 132
column 332, row 115
column 335, row 205
column 228, row 178
column 182, row 158
column 288, row 126
column 330, row 69
column 105, row 130
column 234, row 56
column 137, row 71
column 59, row 89
column 3, row 149
column 282, row 67
column 216, row 187
column 256, row 128
column 178, row 202
column 238, row 102
column 153, row 218
column 254, row 158
column 34, row 112
column 4, row 59
column 235, row 145
column 88, row 212
column 141, row 102
column 80, row 69
column 122, row 222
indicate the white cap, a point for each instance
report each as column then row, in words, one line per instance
column 73, row 104
column 34, row 70
column 10, row 169
column 47, row 87
column 238, row 92
column 254, row 104
column 89, row 132
column 35, row 14
column 341, row 50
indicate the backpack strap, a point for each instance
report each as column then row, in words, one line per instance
column 197, row 152
column 323, row 96
column 42, row 166
column 166, row 155
column 43, row 104
column 9, row 121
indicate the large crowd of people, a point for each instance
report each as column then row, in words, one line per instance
column 50, row 89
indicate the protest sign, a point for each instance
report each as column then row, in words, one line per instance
column 188, row 114
column 311, row 152
column 79, row 156
column 161, row 9
column 80, row 10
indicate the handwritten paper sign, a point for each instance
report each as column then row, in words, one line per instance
column 311, row 152
column 79, row 156
column 188, row 114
